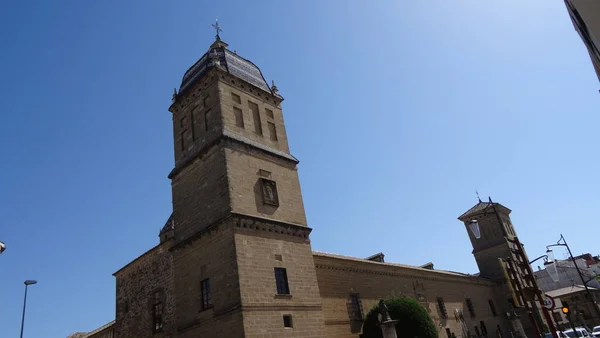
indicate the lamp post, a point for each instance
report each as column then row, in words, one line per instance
column 587, row 290
column 27, row 283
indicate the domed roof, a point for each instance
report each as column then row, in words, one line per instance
column 219, row 56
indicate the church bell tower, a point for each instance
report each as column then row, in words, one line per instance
column 242, row 259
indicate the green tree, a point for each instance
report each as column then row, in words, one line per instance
column 413, row 320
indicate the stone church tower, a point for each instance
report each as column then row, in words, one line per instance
column 234, row 258
column 496, row 230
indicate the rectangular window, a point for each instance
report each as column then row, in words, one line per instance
column 492, row 308
column 207, row 117
column 477, row 331
column 182, row 139
column 157, row 310
column 272, row 131
column 239, row 117
column 236, row 98
column 206, row 294
column 442, row 307
column 483, row 328
column 207, row 101
column 269, row 113
column 470, row 307
column 281, row 281
column 557, row 317
column 448, row 333
column 194, row 112
column 256, row 117
column 287, row 321
column 355, row 306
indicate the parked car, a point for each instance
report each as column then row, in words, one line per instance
column 581, row 333
column 558, row 333
column 596, row 331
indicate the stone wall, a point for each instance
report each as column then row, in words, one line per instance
column 341, row 276
column 136, row 284
column 262, row 246
column 211, row 255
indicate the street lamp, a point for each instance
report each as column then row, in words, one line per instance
column 587, row 290
column 474, row 227
column 27, row 283
column 551, row 266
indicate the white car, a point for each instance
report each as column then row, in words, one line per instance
column 581, row 333
column 596, row 332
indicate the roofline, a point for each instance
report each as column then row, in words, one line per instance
column 414, row 268
column 137, row 258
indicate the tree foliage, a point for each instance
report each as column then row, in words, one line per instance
column 413, row 320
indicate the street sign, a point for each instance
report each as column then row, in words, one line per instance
column 549, row 302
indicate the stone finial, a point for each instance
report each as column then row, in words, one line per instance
column 274, row 87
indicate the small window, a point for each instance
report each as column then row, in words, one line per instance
column 483, row 328
column 281, row 281
column 442, row 307
column 477, row 332
column 157, row 310
column 272, row 131
column 193, row 124
column 470, row 307
column 256, row 117
column 239, row 117
column 206, row 294
column 355, row 306
column 269, row 192
column 269, row 113
column 182, row 139
column 448, row 333
column 207, row 101
column 557, row 317
column 207, row 117
column 492, row 308
column 287, row 321
column 236, row 98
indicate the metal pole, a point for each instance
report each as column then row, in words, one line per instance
column 24, row 305
column 587, row 290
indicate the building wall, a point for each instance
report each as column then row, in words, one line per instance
column 567, row 276
column 136, row 285
column 338, row 278
column 261, row 247
column 230, row 89
column 244, row 172
column 212, row 255
column 589, row 11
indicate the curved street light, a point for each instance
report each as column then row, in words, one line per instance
column 27, row 283
column 551, row 266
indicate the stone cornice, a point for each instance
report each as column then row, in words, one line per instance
column 227, row 136
column 270, row 225
column 425, row 276
column 249, row 222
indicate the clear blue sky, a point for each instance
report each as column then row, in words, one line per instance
column 398, row 111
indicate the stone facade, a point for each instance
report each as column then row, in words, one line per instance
column 235, row 259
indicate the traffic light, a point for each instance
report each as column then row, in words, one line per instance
column 565, row 308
